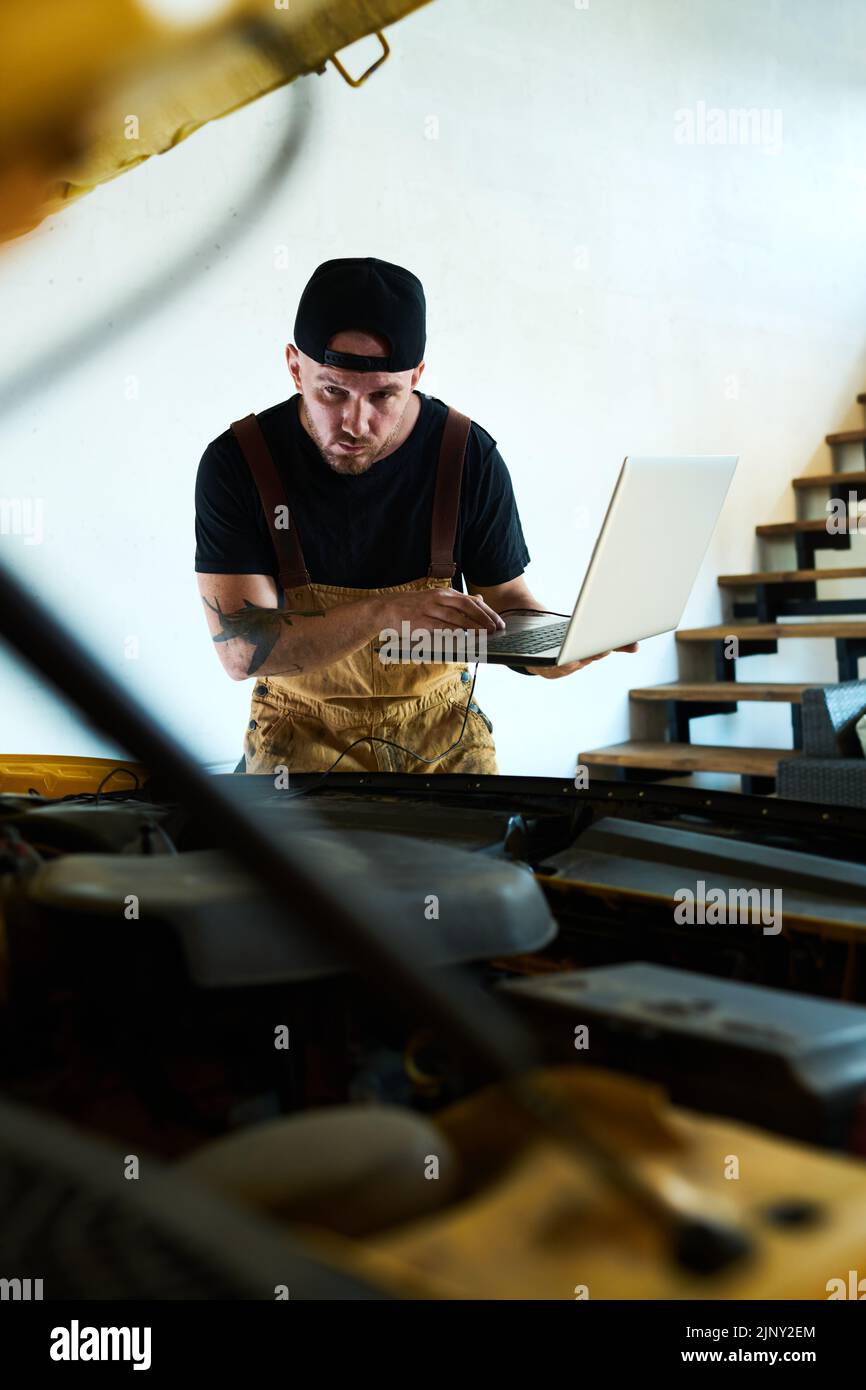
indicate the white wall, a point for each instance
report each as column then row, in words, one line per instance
column 594, row 286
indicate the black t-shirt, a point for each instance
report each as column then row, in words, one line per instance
column 364, row 531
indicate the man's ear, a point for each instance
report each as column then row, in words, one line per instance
column 294, row 364
column 416, row 375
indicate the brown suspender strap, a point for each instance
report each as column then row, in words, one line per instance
column 446, row 500
column 290, row 557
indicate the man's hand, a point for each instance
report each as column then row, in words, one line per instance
column 430, row 609
column 554, row 672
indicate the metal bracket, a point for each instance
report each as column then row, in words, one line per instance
column 680, row 713
column 359, row 81
column 793, row 601
column 726, row 667
column 849, row 651
column 806, row 543
column 773, row 599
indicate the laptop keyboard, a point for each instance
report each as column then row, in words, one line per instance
column 536, row 639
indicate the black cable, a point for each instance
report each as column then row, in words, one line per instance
column 108, row 776
column 108, row 798
column 111, row 797
column 503, row 611
column 374, row 738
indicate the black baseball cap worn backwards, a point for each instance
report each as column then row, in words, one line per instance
column 368, row 295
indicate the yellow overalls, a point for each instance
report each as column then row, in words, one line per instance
column 305, row 722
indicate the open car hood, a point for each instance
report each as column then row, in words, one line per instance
column 74, row 70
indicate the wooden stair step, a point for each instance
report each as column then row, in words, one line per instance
column 829, row 479
column 688, row 757
column 733, row 581
column 771, row 632
column 791, row 528
column 717, row 692
column 847, row 436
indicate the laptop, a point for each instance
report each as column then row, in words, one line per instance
column 656, row 531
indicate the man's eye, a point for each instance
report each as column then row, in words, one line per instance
column 335, row 391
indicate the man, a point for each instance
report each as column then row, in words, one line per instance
column 347, row 510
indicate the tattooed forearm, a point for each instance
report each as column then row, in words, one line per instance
column 261, row 627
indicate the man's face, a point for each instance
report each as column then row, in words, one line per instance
column 352, row 417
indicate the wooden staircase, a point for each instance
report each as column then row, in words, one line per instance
column 709, row 657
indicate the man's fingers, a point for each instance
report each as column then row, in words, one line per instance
column 552, row 672
column 489, row 613
column 450, row 621
column 474, row 610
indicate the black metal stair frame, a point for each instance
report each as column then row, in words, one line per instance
column 794, row 600
column 849, row 651
column 726, row 667
column 807, row 543
column 680, row 713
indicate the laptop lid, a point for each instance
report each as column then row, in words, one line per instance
column 658, row 526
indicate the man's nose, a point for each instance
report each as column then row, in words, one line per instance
column 355, row 418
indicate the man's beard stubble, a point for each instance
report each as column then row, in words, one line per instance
column 345, row 463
